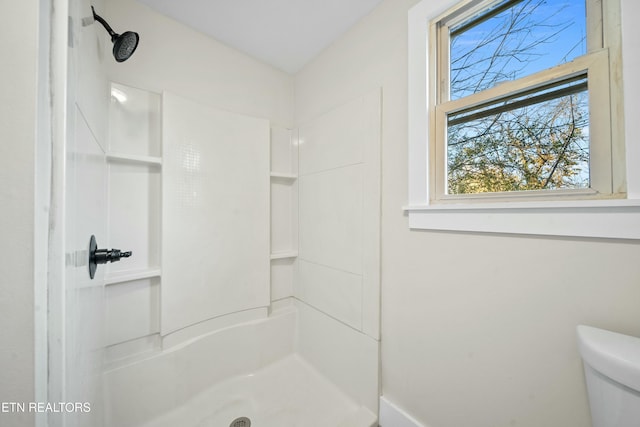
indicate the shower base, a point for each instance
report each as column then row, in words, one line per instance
column 286, row 393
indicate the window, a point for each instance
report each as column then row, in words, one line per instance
column 520, row 102
column 479, row 158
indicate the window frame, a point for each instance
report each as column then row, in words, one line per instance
column 595, row 64
column 572, row 214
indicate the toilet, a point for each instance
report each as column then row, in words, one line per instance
column 612, row 372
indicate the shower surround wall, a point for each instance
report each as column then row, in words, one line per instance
column 214, row 275
column 178, row 60
column 338, row 283
column 215, row 212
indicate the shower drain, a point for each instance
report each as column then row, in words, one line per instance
column 241, row 422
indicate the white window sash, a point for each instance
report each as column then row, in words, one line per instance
column 595, row 66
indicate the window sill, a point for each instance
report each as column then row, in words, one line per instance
column 615, row 219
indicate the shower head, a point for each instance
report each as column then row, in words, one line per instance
column 123, row 44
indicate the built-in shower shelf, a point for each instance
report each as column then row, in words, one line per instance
column 285, row 176
column 131, row 275
column 284, row 254
column 132, row 158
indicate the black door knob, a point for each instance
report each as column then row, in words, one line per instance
column 102, row 256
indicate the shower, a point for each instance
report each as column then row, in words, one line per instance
column 123, row 44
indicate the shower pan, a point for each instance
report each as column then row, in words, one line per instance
column 249, row 372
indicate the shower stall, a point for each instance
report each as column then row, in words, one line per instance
column 253, row 291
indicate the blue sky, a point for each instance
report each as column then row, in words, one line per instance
column 549, row 16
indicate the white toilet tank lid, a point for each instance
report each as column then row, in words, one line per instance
column 614, row 355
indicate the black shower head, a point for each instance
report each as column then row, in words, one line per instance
column 123, row 44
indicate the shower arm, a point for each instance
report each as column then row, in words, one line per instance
column 106, row 26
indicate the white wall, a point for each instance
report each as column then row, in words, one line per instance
column 477, row 329
column 18, row 75
column 175, row 58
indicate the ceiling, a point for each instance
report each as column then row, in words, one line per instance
column 284, row 33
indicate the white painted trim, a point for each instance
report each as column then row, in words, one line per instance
column 420, row 17
column 42, row 200
column 418, row 130
column 60, row 87
column 606, row 222
column 548, row 204
column 614, row 218
column 631, row 67
column 392, row 416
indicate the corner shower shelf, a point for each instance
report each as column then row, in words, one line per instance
column 131, row 275
column 133, row 158
column 284, row 255
column 286, row 176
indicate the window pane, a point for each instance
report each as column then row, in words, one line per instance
column 514, row 39
column 528, row 143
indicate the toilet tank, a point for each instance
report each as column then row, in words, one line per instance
column 612, row 372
